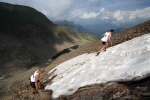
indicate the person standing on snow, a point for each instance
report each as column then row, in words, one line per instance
column 105, row 38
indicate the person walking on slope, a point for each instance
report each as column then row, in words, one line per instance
column 105, row 38
column 34, row 81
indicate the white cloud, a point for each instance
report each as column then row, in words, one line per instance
column 89, row 15
column 144, row 13
column 86, row 10
column 53, row 9
column 102, row 9
column 123, row 17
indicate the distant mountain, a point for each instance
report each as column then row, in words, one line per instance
column 27, row 37
column 72, row 26
column 96, row 29
column 99, row 29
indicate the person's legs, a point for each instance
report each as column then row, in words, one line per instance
column 39, row 87
column 33, row 90
column 102, row 48
column 106, row 45
column 39, row 84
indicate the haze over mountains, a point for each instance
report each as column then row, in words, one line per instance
column 99, row 29
column 96, row 29
column 72, row 26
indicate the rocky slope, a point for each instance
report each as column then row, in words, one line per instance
column 139, row 90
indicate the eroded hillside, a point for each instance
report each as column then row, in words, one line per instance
column 122, row 91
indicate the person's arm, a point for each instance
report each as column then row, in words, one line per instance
column 101, row 36
column 109, row 39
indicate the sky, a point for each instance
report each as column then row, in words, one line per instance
column 116, row 64
column 82, row 12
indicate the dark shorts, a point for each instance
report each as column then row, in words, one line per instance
column 33, row 84
column 103, row 42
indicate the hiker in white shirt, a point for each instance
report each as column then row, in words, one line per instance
column 34, row 81
column 105, row 38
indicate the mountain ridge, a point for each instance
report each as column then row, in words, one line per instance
column 73, row 26
column 96, row 29
column 27, row 37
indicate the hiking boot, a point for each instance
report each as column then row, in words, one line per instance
column 97, row 53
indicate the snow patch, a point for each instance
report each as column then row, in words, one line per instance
column 128, row 61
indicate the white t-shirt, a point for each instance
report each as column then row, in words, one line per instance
column 32, row 78
column 105, row 37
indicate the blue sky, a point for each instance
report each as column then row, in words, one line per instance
column 118, row 12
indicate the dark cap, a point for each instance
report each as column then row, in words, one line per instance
column 111, row 30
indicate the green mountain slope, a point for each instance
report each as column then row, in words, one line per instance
column 27, row 37
column 73, row 26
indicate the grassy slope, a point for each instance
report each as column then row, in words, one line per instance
column 27, row 37
column 64, row 33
